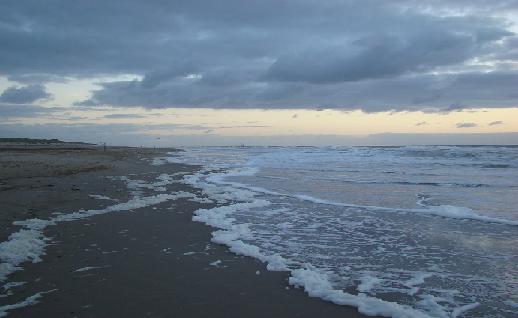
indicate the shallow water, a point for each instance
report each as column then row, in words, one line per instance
column 431, row 228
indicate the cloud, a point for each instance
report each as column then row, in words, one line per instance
column 388, row 55
column 123, row 116
column 24, row 95
column 27, row 111
column 466, row 125
column 422, row 123
column 494, row 123
column 392, row 55
column 439, row 92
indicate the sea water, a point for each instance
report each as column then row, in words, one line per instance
column 427, row 231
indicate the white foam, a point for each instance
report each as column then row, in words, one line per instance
column 433, row 306
column 463, row 213
column 232, row 234
column 246, row 163
column 101, row 197
column 215, row 263
column 132, row 204
column 158, row 161
column 367, row 283
column 461, row 310
column 317, row 284
column 13, row 284
column 28, row 243
column 245, row 203
column 201, row 200
column 25, row 245
column 31, row 300
column 87, row 268
column 447, row 211
column 416, row 280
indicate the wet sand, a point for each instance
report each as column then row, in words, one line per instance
column 147, row 262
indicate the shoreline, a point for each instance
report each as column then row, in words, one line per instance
column 153, row 261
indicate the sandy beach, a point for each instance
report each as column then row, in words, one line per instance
column 141, row 261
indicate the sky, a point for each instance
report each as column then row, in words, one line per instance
column 166, row 73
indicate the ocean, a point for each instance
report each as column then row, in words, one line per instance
column 415, row 231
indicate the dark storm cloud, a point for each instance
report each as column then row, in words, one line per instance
column 23, row 95
column 390, row 55
column 416, row 92
column 266, row 54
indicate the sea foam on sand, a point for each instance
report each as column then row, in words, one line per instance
column 313, row 237
column 31, row 300
column 315, row 282
column 28, row 244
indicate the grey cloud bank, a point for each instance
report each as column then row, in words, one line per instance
column 371, row 55
column 24, row 95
